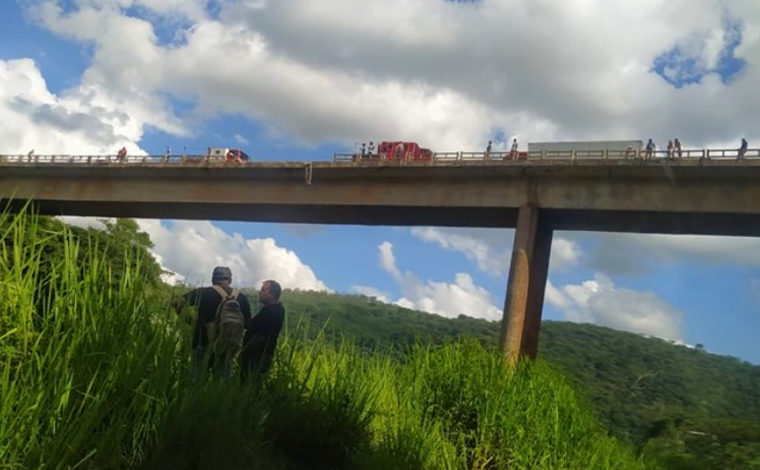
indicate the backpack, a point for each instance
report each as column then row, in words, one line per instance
column 228, row 326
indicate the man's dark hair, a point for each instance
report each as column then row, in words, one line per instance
column 274, row 288
column 221, row 273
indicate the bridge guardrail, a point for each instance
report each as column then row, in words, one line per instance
column 494, row 156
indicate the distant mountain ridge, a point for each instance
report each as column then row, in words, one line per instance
column 630, row 379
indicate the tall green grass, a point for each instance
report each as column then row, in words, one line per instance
column 95, row 375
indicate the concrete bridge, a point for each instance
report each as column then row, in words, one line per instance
column 703, row 193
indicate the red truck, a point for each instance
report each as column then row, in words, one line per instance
column 403, row 151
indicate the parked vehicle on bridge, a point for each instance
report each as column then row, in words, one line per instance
column 403, row 151
column 226, row 155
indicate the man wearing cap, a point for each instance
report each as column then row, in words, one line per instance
column 207, row 299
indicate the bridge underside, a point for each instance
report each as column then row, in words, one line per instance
column 488, row 217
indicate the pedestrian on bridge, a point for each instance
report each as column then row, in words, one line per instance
column 650, row 148
column 678, row 148
column 742, row 149
column 488, row 150
column 670, row 150
column 513, row 151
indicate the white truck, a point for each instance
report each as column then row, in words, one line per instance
column 226, row 155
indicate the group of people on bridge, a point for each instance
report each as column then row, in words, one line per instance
column 674, row 148
column 225, row 331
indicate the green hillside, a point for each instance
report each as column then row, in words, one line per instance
column 94, row 374
column 633, row 381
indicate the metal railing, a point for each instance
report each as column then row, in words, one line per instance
column 438, row 157
column 562, row 155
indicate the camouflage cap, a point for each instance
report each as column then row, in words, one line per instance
column 221, row 272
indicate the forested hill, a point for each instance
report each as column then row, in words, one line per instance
column 633, row 381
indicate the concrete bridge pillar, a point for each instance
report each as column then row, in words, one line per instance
column 528, row 271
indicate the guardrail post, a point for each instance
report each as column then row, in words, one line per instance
column 705, row 153
column 606, row 154
column 543, row 154
column 573, row 154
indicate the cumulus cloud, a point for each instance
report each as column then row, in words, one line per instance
column 754, row 289
column 451, row 74
column 491, row 249
column 188, row 251
column 83, row 222
column 449, row 299
column 599, row 301
column 628, row 253
column 82, row 121
column 192, row 249
column 379, row 294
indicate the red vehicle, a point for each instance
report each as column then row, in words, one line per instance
column 403, row 151
column 236, row 155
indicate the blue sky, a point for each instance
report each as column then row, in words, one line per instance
column 179, row 74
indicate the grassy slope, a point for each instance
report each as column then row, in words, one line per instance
column 95, row 375
column 632, row 380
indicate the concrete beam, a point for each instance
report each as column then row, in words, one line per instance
column 721, row 198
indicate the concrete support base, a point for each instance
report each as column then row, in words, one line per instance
column 528, row 272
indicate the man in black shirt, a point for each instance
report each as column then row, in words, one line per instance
column 207, row 299
column 260, row 341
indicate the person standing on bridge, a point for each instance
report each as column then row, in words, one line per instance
column 670, row 150
column 209, row 301
column 488, row 150
column 260, row 341
column 650, row 148
column 742, row 149
column 677, row 147
column 513, row 151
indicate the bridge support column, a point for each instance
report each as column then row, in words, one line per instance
column 528, row 271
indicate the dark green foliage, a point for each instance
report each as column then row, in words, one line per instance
column 634, row 383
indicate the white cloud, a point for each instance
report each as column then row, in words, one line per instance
column 83, row 222
column 451, row 74
column 81, row 121
column 565, row 253
column 628, row 253
column 462, row 296
column 379, row 294
column 599, row 301
column 491, row 249
column 241, row 140
column 754, row 289
column 192, row 249
column 189, row 250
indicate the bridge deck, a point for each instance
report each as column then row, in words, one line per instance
column 689, row 195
